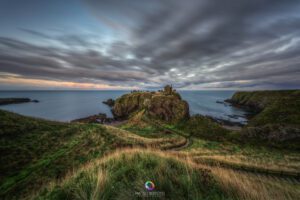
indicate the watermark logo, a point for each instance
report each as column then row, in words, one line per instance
column 149, row 185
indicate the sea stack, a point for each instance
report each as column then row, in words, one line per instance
column 164, row 105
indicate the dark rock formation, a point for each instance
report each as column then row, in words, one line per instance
column 5, row 101
column 225, row 122
column 164, row 105
column 168, row 108
column 129, row 103
column 100, row 118
column 109, row 102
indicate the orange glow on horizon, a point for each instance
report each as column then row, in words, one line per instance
column 17, row 81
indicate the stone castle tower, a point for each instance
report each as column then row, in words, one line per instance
column 168, row 90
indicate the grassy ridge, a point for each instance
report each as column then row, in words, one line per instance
column 109, row 178
column 277, row 122
column 35, row 151
column 274, row 106
column 92, row 161
column 177, row 175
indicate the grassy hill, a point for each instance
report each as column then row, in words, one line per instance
column 34, row 151
column 272, row 106
column 122, row 176
column 193, row 159
column 277, row 121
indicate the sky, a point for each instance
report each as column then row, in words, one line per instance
column 143, row 44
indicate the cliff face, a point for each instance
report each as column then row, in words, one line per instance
column 129, row 103
column 163, row 105
column 271, row 106
column 167, row 107
column 258, row 100
column 278, row 115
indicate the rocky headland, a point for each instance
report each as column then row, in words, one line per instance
column 277, row 115
column 6, row 101
column 165, row 105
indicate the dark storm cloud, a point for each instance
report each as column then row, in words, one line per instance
column 224, row 27
column 212, row 33
column 51, row 63
column 209, row 43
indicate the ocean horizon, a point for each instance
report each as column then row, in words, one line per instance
column 67, row 105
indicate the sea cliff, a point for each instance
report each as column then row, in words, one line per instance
column 277, row 118
column 165, row 105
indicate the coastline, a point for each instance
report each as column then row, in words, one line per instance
column 8, row 101
column 67, row 106
column 57, row 147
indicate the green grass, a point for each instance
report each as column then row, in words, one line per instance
column 172, row 178
column 277, row 122
column 202, row 127
column 148, row 131
column 284, row 109
column 276, row 107
column 69, row 160
column 35, row 151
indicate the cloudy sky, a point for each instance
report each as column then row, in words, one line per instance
column 126, row 44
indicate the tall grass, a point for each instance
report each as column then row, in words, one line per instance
column 78, row 161
column 247, row 186
column 126, row 172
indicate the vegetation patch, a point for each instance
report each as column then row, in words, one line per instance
column 112, row 179
column 34, row 152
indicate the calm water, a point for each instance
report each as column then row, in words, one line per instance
column 69, row 105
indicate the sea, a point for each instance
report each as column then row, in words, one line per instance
column 65, row 106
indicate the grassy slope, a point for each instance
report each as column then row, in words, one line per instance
column 36, row 152
column 278, row 121
column 278, row 107
column 110, row 178
column 211, row 142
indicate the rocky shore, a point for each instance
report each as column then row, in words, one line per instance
column 101, row 118
column 6, row 101
column 225, row 122
column 109, row 102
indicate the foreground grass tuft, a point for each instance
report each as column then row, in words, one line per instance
column 116, row 180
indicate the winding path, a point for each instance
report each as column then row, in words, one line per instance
column 294, row 176
column 178, row 148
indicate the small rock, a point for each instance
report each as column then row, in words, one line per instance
column 109, row 102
